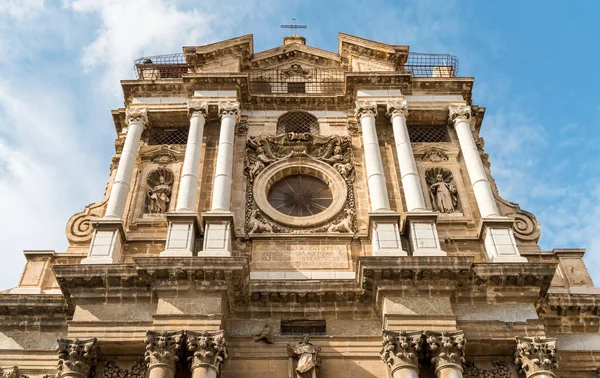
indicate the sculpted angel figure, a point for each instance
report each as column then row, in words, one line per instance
column 336, row 157
column 159, row 197
column 256, row 225
column 443, row 195
column 261, row 161
column 308, row 358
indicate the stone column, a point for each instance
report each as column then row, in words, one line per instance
column 536, row 356
column 109, row 234
column 495, row 230
column 420, row 222
column 218, row 223
column 183, row 222
column 401, row 353
column 384, row 230
column 76, row 358
column 162, row 353
column 447, row 350
column 206, row 353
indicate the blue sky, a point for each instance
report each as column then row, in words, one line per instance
column 534, row 63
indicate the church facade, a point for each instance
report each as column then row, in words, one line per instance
column 299, row 213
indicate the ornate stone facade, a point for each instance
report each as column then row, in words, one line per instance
column 313, row 214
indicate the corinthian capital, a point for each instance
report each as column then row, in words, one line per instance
column 456, row 112
column 76, row 357
column 136, row 115
column 446, row 348
column 206, row 348
column 401, row 350
column 229, row 108
column 536, row 354
column 163, row 348
column 365, row 108
column 197, row 107
column 397, row 107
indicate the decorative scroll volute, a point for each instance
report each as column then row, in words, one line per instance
column 76, row 357
column 162, row 348
column 402, row 350
column 206, row 349
column 535, row 355
column 447, row 349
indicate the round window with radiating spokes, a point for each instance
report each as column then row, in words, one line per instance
column 300, row 195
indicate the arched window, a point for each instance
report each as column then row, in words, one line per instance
column 297, row 122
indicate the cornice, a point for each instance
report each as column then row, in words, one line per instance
column 286, row 54
column 49, row 305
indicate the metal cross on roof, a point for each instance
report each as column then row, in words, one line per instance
column 293, row 26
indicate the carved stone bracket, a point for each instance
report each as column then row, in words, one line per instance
column 206, row 349
column 163, row 348
column 402, row 350
column 76, row 357
column 446, row 349
column 535, row 355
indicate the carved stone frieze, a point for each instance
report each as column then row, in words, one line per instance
column 206, row 349
column 162, row 155
column 401, row 349
column 163, row 348
column 12, row 373
column 76, row 358
column 536, row 354
column 434, row 155
column 110, row 369
column 334, row 151
column 499, row 369
column 442, row 190
column 446, row 348
column 309, row 298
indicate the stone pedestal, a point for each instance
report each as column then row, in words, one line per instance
column 218, row 233
column 181, row 236
column 422, row 233
column 446, row 350
column 162, row 353
column 76, row 358
column 536, row 356
column 107, row 242
column 499, row 241
column 384, row 232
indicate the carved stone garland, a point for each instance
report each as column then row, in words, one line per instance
column 536, row 354
column 110, row 369
column 76, row 357
column 500, row 369
column 335, row 150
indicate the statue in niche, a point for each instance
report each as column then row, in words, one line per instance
column 160, row 186
column 308, row 359
column 443, row 193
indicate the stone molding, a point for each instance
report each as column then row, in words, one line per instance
column 397, row 107
column 197, row 107
column 206, row 349
column 402, row 349
column 363, row 108
column 136, row 115
column 163, row 348
column 446, row 349
column 459, row 112
column 76, row 358
column 536, row 355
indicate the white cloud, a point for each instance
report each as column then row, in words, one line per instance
column 21, row 9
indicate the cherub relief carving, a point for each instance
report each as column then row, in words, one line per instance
column 443, row 193
column 258, row 225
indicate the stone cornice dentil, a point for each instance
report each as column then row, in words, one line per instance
column 459, row 112
column 229, row 108
column 196, row 107
column 536, row 354
column 401, row 349
column 365, row 108
column 206, row 349
column 446, row 348
column 163, row 348
column 397, row 107
column 136, row 115
column 76, row 357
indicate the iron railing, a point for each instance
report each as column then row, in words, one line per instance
column 294, row 80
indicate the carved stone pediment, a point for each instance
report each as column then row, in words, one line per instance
column 363, row 55
column 235, row 53
column 163, row 154
column 295, row 54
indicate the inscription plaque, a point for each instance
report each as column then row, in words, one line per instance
column 287, row 256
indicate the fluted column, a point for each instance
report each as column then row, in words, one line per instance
column 188, row 184
column 421, row 223
column 218, row 223
column 162, row 353
column 401, row 352
column 206, row 353
column 447, row 350
column 536, row 356
column 229, row 113
column 495, row 230
column 76, row 358
column 136, row 119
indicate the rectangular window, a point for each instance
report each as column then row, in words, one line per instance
column 297, row 87
column 299, row 327
column 428, row 134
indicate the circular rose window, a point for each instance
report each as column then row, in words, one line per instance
column 300, row 195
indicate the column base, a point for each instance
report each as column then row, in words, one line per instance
column 384, row 232
column 181, row 237
column 422, row 233
column 218, row 233
column 107, row 243
column 499, row 240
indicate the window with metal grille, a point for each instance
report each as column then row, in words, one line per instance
column 298, row 327
column 297, row 87
column 428, row 134
column 297, row 122
column 168, row 136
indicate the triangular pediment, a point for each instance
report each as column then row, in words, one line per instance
column 230, row 55
column 360, row 55
column 295, row 53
